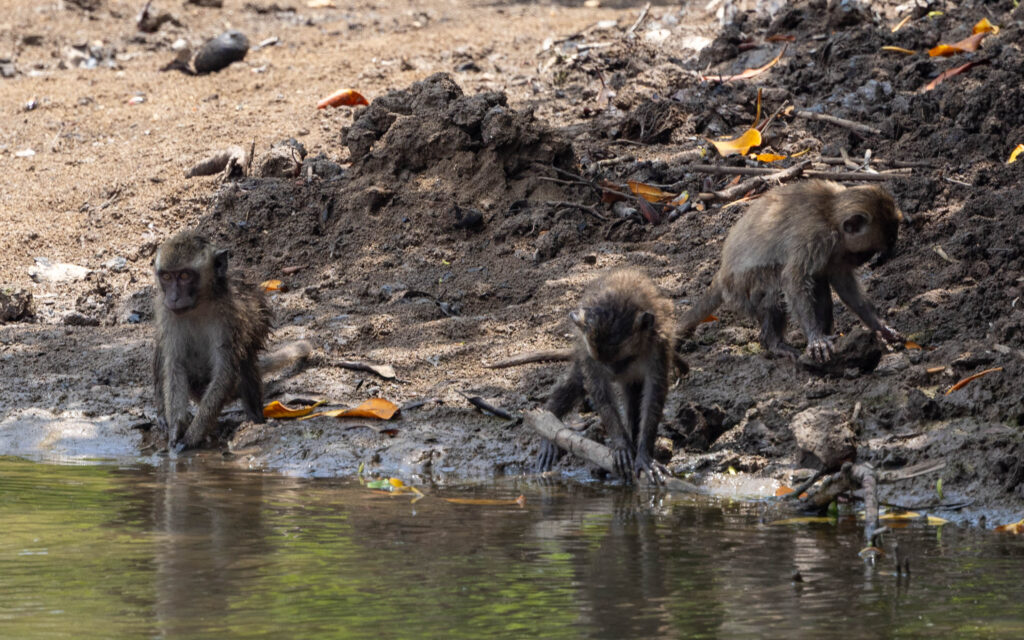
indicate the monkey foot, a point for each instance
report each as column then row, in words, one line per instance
column 549, row 454
column 622, row 461
column 821, row 349
column 783, row 350
column 654, row 470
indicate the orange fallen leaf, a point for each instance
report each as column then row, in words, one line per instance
column 984, row 26
column 342, row 98
column 373, row 408
column 970, row 378
column 949, row 73
column 967, row 45
column 778, row 37
column 909, row 52
column 710, row 319
column 801, row 153
column 748, row 73
column 900, row 24
column 741, row 145
column 1016, row 152
column 521, row 500
column 648, row 192
column 278, row 410
column 783, row 490
column 910, row 344
column 769, row 157
column 272, row 285
column 1016, row 528
column 934, row 370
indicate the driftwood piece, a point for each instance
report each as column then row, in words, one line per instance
column 841, row 122
column 487, row 407
column 849, row 478
column 739, row 190
column 546, row 424
column 838, row 176
column 550, row 355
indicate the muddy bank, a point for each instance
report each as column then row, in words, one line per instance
column 442, row 225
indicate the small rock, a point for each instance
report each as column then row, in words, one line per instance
column 230, row 46
column 213, row 4
column 232, row 161
column 623, row 210
column 468, row 219
column 893, row 363
column 284, row 160
column 15, row 304
column 117, row 263
column 76, row 319
column 7, row 69
column 46, row 271
column 825, row 434
column 321, row 166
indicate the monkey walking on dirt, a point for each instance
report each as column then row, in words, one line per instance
column 790, row 250
column 210, row 330
column 621, row 361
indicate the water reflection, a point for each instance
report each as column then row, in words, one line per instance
column 197, row 549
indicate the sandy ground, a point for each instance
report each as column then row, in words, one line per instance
column 96, row 140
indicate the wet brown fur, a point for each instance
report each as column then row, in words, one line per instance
column 208, row 352
column 790, row 249
column 621, row 360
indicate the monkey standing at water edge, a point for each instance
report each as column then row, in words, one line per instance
column 623, row 348
column 790, row 249
column 210, row 330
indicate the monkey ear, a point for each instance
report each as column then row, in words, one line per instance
column 644, row 321
column 579, row 317
column 220, row 263
column 855, row 223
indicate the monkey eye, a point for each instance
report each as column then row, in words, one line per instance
column 166, row 277
column 184, row 276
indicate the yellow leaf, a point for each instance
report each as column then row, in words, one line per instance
column 648, row 192
column 757, row 113
column 984, row 26
column 800, row 153
column 906, row 515
column 277, row 410
column 769, row 157
column 900, row 24
column 521, row 500
column 683, row 197
column 936, row 521
column 373, row 408
column 1016, row 527
column 909, row 52
column 396, row 483
column 968, row 44
column 743, row 144
column 935, row 14
column 272, row 285
column 1016, row 152
column 748, row 73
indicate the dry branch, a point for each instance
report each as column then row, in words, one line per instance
column 529, row 357
column 739, row 190
column 842, row 122
column 546, row 424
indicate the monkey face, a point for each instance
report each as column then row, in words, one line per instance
column 870, row 226
column 180, row 288
column 613, row 338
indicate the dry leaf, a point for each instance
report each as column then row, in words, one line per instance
column 373, row 408
column 741, row 145
column 900, row 24
column 1016, row 152
column 970, row 378
column 648, row 192
column 936, row 521
column 934, row 370
column 910, row 344
column 748, row 73
column 272, row 285
column 778, row 37
column 650, row 213
column 710, row 319
column 1016, row 528
column 984, row 26
column 906, row 515
column 277, row 410
column 769, row 157
column 805, row 520
column 320, row 4
column 968, row 44
column 909, row 52
column 783, row 490
column 342, row 98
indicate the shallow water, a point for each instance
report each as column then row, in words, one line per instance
column 195, row 549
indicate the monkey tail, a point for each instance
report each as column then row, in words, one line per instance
column 700, row 311
column 284, row 356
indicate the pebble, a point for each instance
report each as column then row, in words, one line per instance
column 230, row 46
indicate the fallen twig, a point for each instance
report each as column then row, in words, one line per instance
column 842, row 122
column 850, row 477
column 739, row 190
column 529, row 357
column 576, row 205
column 546, row 424
column 385, row 371
column 639, row 20
column 487, row 407
column 713, row 169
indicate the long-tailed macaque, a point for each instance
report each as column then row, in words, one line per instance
column 790, row 250
column 210, row 330
column 621, row 361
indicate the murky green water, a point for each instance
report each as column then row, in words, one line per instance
column 196, row 550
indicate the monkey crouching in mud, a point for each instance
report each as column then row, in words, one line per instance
column 621, row 361
column 790, row 250
column 209, row 332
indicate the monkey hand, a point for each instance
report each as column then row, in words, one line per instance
column 891, row 335
column 548, row 455
column 622, row 460
column 821, row 349
column 655, row 471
